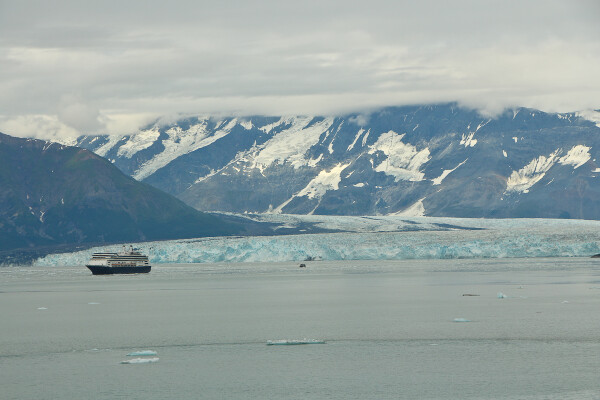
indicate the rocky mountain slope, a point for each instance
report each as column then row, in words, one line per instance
column 436, row 160
column 53, row 194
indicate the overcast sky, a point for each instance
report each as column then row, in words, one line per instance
column 110, row 66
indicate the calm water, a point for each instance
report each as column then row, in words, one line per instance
column 389, row 328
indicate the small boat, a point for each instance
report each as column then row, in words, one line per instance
column 129, row 261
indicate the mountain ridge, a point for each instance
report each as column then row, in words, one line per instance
column 434, row 160
column 56, row 195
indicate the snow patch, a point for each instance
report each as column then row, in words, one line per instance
column 523, row 179
column 439, row 179
column 529, row 175
column 268, row 128
column 364, row 141
column 468, row 140
column 577, row 156
column 403, row 161
column 358, row 135
column 247, row 125
column 326, row 180
column 318, row 186
column 417, row 209
column 314, row 161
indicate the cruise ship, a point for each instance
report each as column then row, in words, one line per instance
column 129, row 261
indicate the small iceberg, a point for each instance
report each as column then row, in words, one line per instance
column 140, row 360
column 285, row 342
column 461, row 320
column 502, row 295
column 142, row 353
column 93, row 303
column 42, row 308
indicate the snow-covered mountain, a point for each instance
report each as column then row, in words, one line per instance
column 436, row 160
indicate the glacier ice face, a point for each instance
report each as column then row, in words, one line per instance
column 375, row 238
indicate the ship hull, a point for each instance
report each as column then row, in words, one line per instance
column 104, row 270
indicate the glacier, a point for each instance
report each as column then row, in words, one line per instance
column 373, row 238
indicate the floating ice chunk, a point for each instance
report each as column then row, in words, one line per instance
column 502, row 295
column 140, row 360
column 42, row 308
column 92, row 303
column 142, row 353
column 565, row 302
column 461, row 320
column 286, row 342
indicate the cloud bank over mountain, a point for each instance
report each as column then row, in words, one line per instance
column 69, row 67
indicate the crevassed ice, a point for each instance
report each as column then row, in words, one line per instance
column 180, row 142
column 375, row 238
column 292, row 143
column 138, row 142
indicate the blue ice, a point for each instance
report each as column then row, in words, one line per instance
column 461, row 320
column 142, row 353
column 422, row 238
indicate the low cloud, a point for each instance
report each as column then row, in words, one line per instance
column 63, row 72
column 74, row 112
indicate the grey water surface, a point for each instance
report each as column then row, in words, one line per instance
column 389, row 328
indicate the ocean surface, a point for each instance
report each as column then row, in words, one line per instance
column 530, row 330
